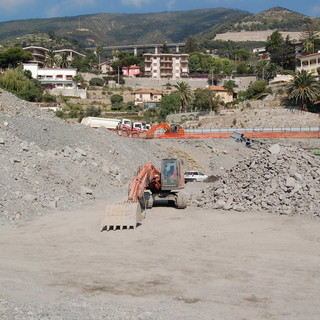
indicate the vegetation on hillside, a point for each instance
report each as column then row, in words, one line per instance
column 117, row 29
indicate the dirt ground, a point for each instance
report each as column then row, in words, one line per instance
column 179, row 264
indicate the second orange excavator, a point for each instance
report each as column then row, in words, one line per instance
column 168, row 129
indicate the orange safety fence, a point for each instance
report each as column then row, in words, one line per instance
column 253, row 134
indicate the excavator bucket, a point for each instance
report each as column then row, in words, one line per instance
column 124, row 215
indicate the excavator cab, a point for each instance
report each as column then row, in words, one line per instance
column 171, row 175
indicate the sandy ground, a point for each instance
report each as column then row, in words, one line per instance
column 179, row 264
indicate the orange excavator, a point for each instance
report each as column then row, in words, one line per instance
column 149, row 184
column 168, row 129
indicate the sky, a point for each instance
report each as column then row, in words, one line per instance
column 27, row 9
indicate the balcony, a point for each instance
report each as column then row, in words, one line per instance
column 165, row 67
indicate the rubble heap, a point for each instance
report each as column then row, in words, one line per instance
column 48, row 164
column 278, row 179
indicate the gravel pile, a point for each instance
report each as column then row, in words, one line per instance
column 278, row 179
column 47, row 164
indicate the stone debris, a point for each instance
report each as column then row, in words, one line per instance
column 279, row 179
column 46, row 163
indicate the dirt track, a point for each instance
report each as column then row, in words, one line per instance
column 179, row 264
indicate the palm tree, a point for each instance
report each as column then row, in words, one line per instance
column 261, row 69
column 185, row 93
column 304, row 89
column 51, row 59
column 64, row 63
column 99, row 51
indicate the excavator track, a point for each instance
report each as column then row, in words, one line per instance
column 181, row 201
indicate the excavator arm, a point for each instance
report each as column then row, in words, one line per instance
column 148, row 177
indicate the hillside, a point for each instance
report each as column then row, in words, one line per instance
column 276, row 18
column 119, row 29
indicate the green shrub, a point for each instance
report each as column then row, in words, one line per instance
column 59, row 114
column 93, row 112
column 97, row 82
column 48, row 98
column 116, row 98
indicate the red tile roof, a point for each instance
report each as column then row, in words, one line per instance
column 216, row 88
column 148, row 91
column 310, row 55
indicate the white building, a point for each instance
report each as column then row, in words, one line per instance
column 166, row 65
column 310, row 63
column 53, row 78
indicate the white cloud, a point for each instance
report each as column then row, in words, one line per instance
column 136, row 3
column 14, row 5
column 170, row 4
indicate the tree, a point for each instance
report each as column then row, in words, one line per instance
column 116, row 98
column 165, row 48
column 126, row 62
column 255, row 89
column 93, row 112
column 230, row 85
column 79, row 80
column 98, row 82
column 205, row 99
column 185, row 93
column 241, row 55
column 310, row 38
column 281, row 50
column 191, row 45
column 169, row 103
column 261, row 69
column 51, row 59
column 304, row 89
column 13, row 56
column 200, row 63
column 99, row 51
column 64, row 62
column 51, row 34
column 15, row 81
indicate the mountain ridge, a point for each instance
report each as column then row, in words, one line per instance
column 110, row 29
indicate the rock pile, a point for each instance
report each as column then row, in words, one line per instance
column 278, row 179
column 46, row 163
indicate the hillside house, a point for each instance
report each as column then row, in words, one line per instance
column 147, row 97
column 131, row 71
column 223, row 93
column 310, row 62
column 51, row 77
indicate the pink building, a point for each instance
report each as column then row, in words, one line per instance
column 131, row 71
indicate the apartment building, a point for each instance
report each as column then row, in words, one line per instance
column 166, row 65
column 310, row 62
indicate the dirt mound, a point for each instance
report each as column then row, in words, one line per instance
column 49, row 164
column 278, row 179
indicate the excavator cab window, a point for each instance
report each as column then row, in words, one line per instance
column 169, row 174
column 174, row 128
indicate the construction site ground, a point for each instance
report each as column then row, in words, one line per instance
column 197, row 263
column 180, row 264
